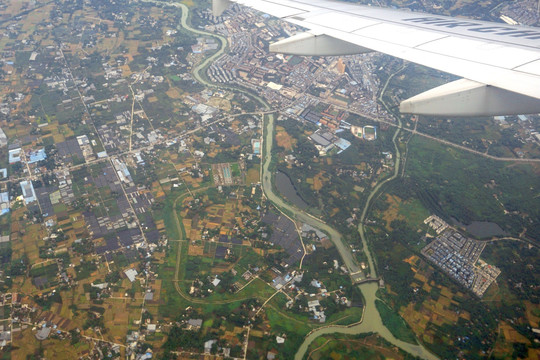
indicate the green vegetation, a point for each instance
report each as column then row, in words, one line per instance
column 503, row 193
column 46, row 270
column 85, row 269
column 235, row 170
column 367, row 346
column 397, row 326
column 329, row 184
column 517, row 262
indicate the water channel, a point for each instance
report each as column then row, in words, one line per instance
column 371, row 321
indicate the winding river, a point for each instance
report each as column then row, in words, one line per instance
column 371, row 321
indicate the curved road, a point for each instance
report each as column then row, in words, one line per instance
column 371, row 320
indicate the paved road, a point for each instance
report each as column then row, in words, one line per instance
column 371, row 319
column 442, row 141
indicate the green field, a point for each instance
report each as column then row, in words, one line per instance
column 397, row 326
column 469, row 187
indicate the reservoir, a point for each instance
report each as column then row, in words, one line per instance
column 484, row 229
column 481, row 229
column 288, row 191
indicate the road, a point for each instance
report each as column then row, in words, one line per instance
column 177, row 279
column 442, row 141
column 376, row 189
column 372, row 320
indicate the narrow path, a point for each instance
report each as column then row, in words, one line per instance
column 176, row 279
column 361, row 230
column 371, row 319
column 317, row 349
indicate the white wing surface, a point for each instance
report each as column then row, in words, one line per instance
column 499, row 64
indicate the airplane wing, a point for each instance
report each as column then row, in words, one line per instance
column 499, row 64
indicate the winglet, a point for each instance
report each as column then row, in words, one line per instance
column 219, row 6
column 469, row 98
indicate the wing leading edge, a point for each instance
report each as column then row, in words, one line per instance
column 499, row 64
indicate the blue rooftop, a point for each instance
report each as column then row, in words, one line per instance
column 38, row 155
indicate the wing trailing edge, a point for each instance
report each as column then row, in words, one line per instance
column 469, row 98
column 500, row 65
column 219, row 6
column 308, row 44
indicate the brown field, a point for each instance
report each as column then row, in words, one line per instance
column 502, row 348
column 318, row 181
column 156, row 288
column 235, row 125
column 220, row 103
column 213, row 152
column 327, row 243
column 195, row 250
column 461, row 3
column 173, row 92
column 53, row 349
column 195, row 234
column 438, row 312
column 511, row 335
column 392, row 213
column 132, row 46
column 417, row 320
column 35, row 17
column 108, row 44
column 31, row 242
column 252, row 176
column 126, row 71
column 413, row 261
column 371, row 342
column 534, row 353
column 440, row 309
column 534, row 320
column 420, row 277
column 283, row 139
column 160, row 224
column 446, row 292
column 116, row 319
column 119, row 315
column 335, row 194
column 426, row 287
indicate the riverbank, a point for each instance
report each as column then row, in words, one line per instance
column 371, row 321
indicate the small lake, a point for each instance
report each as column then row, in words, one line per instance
column 288, row 191
column 482, row 229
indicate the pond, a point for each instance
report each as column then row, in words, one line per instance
column 481, row 229
column 484, row 229
column 288, row 191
